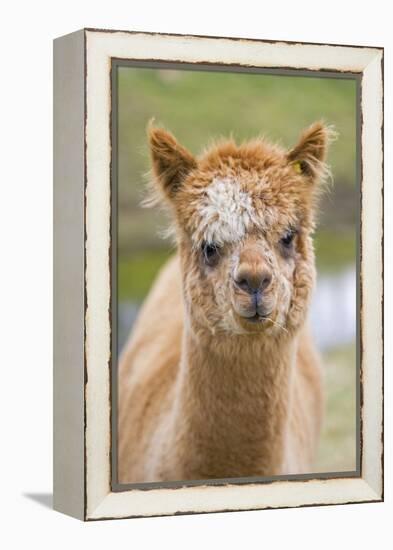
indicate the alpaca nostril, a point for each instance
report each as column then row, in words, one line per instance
column 244, row 285
column 253, row 284
column 265, row 282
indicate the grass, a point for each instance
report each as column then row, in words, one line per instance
column 200, row 106
column 136, row 274
column 337, row 451
column 334, row 250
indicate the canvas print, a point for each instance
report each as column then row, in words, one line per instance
column 237, row 207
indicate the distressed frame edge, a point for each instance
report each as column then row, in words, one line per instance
column 235, row 38
column 372, row 272
column 69, row 489
column 358, row 491
column 374, row 495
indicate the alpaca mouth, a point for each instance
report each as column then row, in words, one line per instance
column 253, row 313
column 257, row 318
column 258, row 315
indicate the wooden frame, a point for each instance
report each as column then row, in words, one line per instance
column 82, row 335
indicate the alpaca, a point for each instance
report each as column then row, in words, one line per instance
column 220, row 377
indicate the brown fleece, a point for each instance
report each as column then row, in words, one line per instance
column 205, row 389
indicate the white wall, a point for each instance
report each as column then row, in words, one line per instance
column 25, row 132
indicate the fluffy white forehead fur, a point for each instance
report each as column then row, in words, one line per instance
column 226, row 212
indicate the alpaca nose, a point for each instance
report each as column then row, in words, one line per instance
column 253, row 280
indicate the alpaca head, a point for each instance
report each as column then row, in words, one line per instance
column 244, row 217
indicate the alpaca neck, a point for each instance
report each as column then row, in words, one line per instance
column 232, row 402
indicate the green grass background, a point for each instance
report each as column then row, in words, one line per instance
column 201, row 106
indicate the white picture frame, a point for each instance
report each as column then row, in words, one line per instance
column 82, row 255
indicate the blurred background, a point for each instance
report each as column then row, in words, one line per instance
column 200, row 106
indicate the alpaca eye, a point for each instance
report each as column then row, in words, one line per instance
column 210, row 253
column 287, row 239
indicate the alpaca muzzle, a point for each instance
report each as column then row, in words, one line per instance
column 251, row 305
column 252, row 280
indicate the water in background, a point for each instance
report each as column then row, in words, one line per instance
column 333, row 309
column 332, row 316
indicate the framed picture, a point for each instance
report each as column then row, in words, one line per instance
column 218, row 335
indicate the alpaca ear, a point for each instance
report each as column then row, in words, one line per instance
column 171, row 161
column 309, row 154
